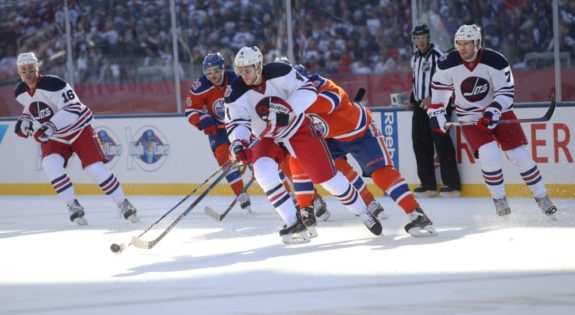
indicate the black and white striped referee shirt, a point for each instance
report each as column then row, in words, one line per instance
column 423, row 67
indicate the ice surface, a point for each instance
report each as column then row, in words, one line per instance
column 478, row 264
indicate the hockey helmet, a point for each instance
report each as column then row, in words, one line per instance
column 468, row 32
column 420, row 30
column 27, row 58
column 213, row 60
column 248, row 56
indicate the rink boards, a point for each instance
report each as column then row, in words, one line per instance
column 165, row 155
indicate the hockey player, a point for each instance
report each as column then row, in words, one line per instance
column 349, row 129
column 65, row 129
column 269, row 102
column 205, row 111
column 484, row 89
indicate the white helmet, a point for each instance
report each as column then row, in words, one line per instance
column 248, row 56
column 468, row 32
column 27, row 58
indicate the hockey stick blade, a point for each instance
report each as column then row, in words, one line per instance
column 212, row 213
column 143, row 244
column 359, row 95
column 546, row 117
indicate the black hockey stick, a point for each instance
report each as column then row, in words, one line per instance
column 118, row 248
column 546, row 117
column 140, row 243
column 212, row 213
column 359, row 95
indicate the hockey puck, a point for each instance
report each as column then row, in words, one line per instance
column 115, row 248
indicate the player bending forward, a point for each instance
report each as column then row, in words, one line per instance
column 65, row 129
column 205, row 110
column 484, row 91
column 269, row 102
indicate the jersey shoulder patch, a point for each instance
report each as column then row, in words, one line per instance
column 236, row 90
column 276, row 70
column 201, row 85
column 51, row 83
column 317, row 80
column 20, row 88
column 449, row 60
column 494, row 59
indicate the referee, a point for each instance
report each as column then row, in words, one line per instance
column 423, row 65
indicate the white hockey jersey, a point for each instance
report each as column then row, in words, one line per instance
column 476, row 85
column 279, row 80
column 54, row 100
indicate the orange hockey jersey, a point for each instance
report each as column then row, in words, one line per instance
column 334, row 114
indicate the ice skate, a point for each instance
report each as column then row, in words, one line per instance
column 422, row 192
column 77, row 213
column 449, row 192
column 502, row 207
column 320, row 208
column 371, row 222
column 128, row 211
column 309, row 220
column 547, row 207
column 420, row 224
column 377, row 209
column 245, row 202
column 296, row 233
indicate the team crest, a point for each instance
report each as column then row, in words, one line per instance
column 41, row 111
column 109, row 144
column 319, row 124
column 149, row 148
column 474, row 89
column 218, row 108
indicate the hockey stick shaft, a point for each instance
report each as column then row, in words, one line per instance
column 209, row 211
column 359, row 95
column 546, row 117
column 138, row 242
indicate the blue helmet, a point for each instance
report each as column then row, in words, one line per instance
column 301, row 69
column 213, row 60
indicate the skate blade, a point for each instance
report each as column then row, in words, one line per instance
column 247, row 208
column 422, row 232
column 299, row 238
column 551, row 217
column 312, row 231
column 80, row 221
column 325, row 215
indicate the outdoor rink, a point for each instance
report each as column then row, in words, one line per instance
column 478, row 264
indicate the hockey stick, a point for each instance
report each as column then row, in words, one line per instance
column 118, row 248
column 140, row 243
column 359, row 95
column 543, row 118
column 212, row 213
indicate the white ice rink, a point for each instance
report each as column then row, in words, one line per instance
column 478, row 264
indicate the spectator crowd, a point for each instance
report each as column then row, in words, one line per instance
column 113, row 41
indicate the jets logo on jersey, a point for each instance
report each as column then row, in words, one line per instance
column 319, row 124
column 41, row 111
column 273, row 103
column 474, row 89
column 219, row 109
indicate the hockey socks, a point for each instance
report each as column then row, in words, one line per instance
column 389, row 180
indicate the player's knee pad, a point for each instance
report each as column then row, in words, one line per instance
column 521, row 158
column 98, row 171
column 53, row 165
column 336, row 185
column 490, row 157
column 266, row 173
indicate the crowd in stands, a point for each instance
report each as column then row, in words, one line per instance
column 114, row 40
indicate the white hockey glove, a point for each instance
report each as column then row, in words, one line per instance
column 45, row 131
column 24, row 126
column 491, row 116
column 437, row 118
column 275, row 111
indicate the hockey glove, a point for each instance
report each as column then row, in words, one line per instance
column 45, row 131
column 240, row 151
column 24, row 126
column 437, row 118
column 275, row 112
column 491, row 116
column 209, row 126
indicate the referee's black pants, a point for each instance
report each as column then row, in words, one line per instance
column 423, row 146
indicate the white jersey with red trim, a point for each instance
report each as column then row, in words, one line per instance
column 54, row 100
column 476, row 85
column 279, row 80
